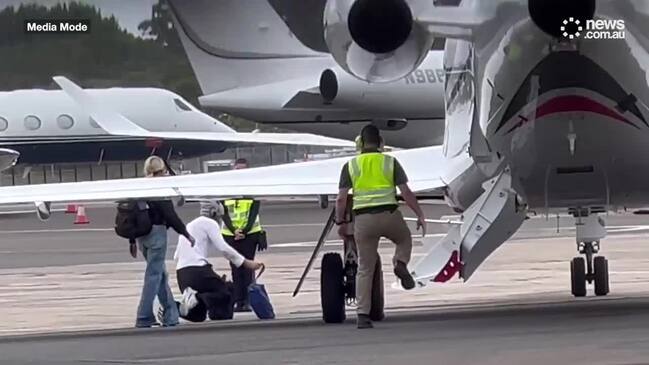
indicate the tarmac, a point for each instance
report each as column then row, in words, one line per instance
column 68, row 295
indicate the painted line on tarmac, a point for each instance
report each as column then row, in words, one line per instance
column 74, row 230
column 293, row 225
column 65, row 230
column 337, row 242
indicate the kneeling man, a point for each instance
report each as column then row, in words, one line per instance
column 204, row 292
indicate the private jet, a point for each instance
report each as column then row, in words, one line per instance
column 49, row 126
column 541, row 116
column 249, row 63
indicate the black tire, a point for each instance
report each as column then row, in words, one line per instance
column 378, row 301
column 578, row 276
column 332, row 288
column 600, row 265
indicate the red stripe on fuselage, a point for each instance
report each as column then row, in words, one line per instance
column 575, row 103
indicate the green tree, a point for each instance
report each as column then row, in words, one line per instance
column 107, row 56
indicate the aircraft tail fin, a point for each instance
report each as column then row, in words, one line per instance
column 236, row 44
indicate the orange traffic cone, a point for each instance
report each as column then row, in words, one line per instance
column 72, row 208
column 81, row 217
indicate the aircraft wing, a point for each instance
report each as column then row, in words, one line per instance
column 423, row 166
column 117, row 124
column 239, row 137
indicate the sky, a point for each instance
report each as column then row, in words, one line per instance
column 129, row 13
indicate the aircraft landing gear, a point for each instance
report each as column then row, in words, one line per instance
column 338, row 285
column 589, row 269
column 338, row 279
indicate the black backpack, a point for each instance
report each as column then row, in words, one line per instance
column 132, row 220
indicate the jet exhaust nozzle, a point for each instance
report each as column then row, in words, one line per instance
column 549, row 15
column 328, row 86
column 376, row 40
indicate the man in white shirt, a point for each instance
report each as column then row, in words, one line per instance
column 204, row 292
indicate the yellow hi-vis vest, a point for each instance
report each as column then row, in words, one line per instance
column 238, row 210
column 372, row 176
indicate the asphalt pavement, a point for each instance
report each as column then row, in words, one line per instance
column 606, row 332
column 292, row 227
column 523, row 325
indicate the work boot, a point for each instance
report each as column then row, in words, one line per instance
column 401, row 271
column 363, row 321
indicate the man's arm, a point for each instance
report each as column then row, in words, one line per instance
column 344, row 185
column 401, row 180
column 213, row 232
column 412, row 203
column 226, row 218
column 166, row 208
column 252, row 216
column 341, row 204
column 411, row 199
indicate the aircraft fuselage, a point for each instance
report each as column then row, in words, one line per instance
column 569, row 117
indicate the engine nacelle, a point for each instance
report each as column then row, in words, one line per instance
column 400, row 99
column 376, row 40
column 8, row 158
column 550, row 14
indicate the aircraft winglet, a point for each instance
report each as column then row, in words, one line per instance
column 109, row 120
column 115, row 123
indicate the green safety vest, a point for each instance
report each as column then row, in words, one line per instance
column 238, row 210
column 372, row 176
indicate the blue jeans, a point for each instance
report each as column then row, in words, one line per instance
column 156, row 280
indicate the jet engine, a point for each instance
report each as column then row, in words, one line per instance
column 396, row 100
column 8, row 158
column 376, row 40
column 549, row 15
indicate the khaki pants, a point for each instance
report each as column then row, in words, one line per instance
column 368, row 230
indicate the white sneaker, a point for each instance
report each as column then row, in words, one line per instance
column 188, row 301
column 159, row 311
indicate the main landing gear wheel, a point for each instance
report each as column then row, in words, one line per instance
column 376, row 312
column 601, row 275
column 591, row 269
column 332, row 288
column 578, row 277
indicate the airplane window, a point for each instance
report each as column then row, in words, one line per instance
column 182, row 105
column 32, row 122
column 3, row 124
column 93, row 123
column 65, row 121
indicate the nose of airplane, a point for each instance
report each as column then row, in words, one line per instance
column 549, row 15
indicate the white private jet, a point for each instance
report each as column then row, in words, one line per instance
column 249, row 63
column 536, row 120
column 53, row 126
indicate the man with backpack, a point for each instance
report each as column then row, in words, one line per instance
column 205, row 293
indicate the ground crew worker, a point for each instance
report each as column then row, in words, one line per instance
column 242, row 231
column 374, row 178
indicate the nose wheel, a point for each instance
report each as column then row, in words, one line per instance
column 589, row 270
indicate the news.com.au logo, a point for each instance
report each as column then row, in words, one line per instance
column 593, row 29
